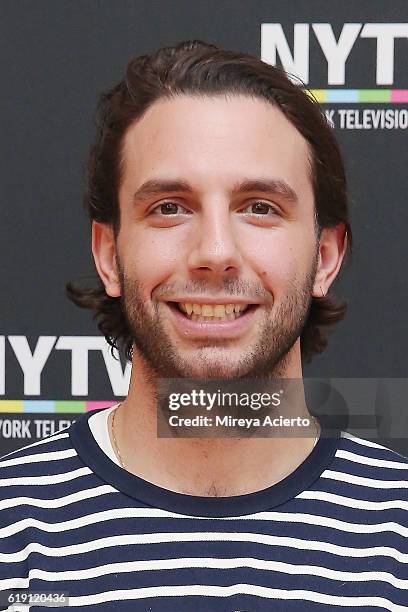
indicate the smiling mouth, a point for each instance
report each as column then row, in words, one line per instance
column 212, row 312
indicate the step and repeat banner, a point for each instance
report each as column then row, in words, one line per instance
column 57, row 57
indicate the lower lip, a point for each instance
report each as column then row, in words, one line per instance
column 201, row 329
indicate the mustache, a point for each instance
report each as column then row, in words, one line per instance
column 237, row 288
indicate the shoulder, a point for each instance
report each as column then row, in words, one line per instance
column 59, row 441
column 43, row 486
column 56, row 451
column 42, row 462
column 364, row 452
column 39, row 480
column 367, row 470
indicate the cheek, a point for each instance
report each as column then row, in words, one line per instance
column 150, row 258
column 275, row 259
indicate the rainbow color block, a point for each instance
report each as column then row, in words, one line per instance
column 359, row 96
column 53, row 406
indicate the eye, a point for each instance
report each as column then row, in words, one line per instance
column 261, row 208
column 168, row 208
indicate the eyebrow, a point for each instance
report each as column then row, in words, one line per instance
column 156, row 187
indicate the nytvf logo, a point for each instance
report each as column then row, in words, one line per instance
column 336, row 51
column 33, row 360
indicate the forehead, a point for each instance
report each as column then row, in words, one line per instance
column 214, row 141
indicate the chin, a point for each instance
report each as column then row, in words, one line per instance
column 217, row 368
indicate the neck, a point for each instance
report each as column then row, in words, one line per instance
column 205, row 466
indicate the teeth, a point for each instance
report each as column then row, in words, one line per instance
column 219, row 310
column 207, row 312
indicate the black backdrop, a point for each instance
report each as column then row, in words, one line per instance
column 56, row 57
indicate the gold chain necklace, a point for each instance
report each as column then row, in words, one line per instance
column 120, row 457
column 114, row 438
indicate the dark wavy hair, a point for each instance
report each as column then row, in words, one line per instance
column 197, row 68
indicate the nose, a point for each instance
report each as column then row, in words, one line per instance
column 215, row 248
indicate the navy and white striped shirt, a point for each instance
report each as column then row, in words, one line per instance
column 333, row 534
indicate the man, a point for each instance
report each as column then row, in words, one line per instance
column 219, row 222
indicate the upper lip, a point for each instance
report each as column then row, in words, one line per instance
column 210, row 300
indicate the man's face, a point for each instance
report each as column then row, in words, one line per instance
column 234, row 225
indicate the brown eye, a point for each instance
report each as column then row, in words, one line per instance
column 260, row 208
column 168, row 208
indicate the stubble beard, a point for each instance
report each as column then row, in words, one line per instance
column 267, row 358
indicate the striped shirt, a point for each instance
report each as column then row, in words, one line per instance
column 333, row 534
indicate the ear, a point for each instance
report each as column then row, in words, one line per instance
column 332, row 248
column 104, row 252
